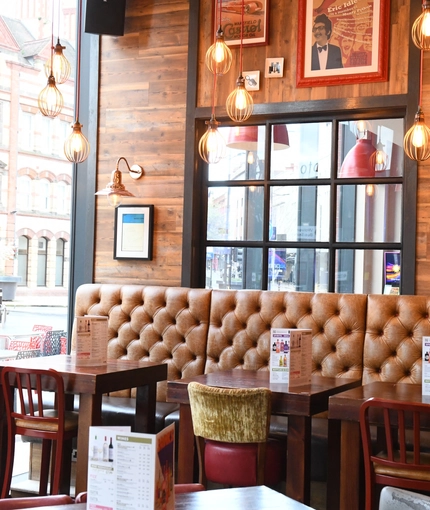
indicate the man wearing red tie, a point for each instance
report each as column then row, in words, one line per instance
column 324, row 55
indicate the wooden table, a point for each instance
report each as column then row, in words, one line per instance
column 345, row 483
column 299, row 403
column 90, row 383
column 244, row 498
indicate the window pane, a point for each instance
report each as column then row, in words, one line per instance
column 308, row 155
column 371, row 148
column 367, row 271
column 299, row 213
column 234, row 268
column 235, row 213
column 298, row 269
column 245, row 154
column 369, row 213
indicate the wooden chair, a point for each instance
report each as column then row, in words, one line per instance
column 231, row 428
column 56, row 426
column 34, row 502
column 396, row 458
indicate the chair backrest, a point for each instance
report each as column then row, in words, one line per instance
column 31, row 353
column 230, row 415
column 400, row 447
column 34, row 502
column 29, row 384
column 51, row 344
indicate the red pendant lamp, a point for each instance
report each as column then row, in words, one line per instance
column 359, row 162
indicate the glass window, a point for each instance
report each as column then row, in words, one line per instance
column 24, row 193
column 317, row 207
column 44, row 195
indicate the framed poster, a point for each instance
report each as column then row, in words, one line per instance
column 342, row 42
column 133, row 232
column 255, row 18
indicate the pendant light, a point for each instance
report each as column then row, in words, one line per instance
column 50, row 100
column 421, row 28
column 239, row 103
column 212, row 146
column 218, row 57
column 60, row 65
column 417, row 140
column 380, row 157
column 77, row 147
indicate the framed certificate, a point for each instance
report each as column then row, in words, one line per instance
column 133, row 232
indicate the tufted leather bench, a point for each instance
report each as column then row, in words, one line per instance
column 199, row 331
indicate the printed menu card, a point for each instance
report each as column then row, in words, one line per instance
column 128, row 470
column 91, row 340
column 290, row 356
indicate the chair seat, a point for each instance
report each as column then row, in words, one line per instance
column 410, row 473
column 70, row 422
column 235, row 464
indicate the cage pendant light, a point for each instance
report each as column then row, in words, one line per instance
column 218, row 57
column 421, row 28
column 417, row 140
column 212, row 146
column 77, row 147
column 239, row 104
column 60, row 65
column 50, row 100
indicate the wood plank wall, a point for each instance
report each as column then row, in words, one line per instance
column 143, row 85
column 142, row 117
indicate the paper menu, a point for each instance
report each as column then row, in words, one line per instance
column 130, row 470
column 426, row 365
column 91, row 340
column 290, row 356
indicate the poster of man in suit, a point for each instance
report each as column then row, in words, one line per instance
column 341, row 41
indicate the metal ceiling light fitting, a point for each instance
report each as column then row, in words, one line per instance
column 218, row 57
column 77, row 147
column 60, row 65
column 212, row 146
column 421, row 28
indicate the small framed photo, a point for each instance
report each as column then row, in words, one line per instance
column 274, row 67
column 133, row 232
column 252, row 80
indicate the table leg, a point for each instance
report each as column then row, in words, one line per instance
column 3, row 437
column 185, row 446
column 146, row 397
column 90, row 413
column 333, row 464
column 350, row 494
column 299, row 458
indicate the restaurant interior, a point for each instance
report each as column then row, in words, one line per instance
column 225, row 213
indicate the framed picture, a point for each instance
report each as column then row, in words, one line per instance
column 274, row 67
column 133, row 232
column 342, row 42
column 252, row 80
column 255, row 26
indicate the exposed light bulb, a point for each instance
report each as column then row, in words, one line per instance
column 212, row 146
column 76, row 147
column 218, row 57
column 114, row 200
column 421, row 28
column 241, row 99
column 250, row 158
column 370, row 190
column 417, row 139
column 58, row 65
column 50, row 99
column 239, row 104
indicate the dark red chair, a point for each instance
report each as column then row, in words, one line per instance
column 35, row 502
column 396, row 458
column 55, row 426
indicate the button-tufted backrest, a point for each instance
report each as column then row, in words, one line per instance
column 240, row 323
column 393, row 341
column 161, row 324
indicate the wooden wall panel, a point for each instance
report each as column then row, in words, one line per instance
column 142, row 117
column 283, row 43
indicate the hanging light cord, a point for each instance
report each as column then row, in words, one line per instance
column 52, row 37
column 420, row 96
column 58, row 20
column 78, row 69
column 213, row 95
column 241, row 37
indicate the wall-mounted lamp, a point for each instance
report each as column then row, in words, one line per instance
column 115, row 190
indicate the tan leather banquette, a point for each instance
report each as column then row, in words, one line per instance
column 194, row 331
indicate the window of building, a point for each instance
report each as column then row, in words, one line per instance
column 24, row 193
column 23, row 259
column 59, row 263
column 313, row 206
column 44, row 195
column 62, row 198
column 26, row 131
column 42, row 259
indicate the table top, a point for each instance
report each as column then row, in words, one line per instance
column 346, row 405
column 111, row 376
column 304, row 400
column 244, row 498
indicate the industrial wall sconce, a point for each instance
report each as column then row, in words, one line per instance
column 115, row 190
